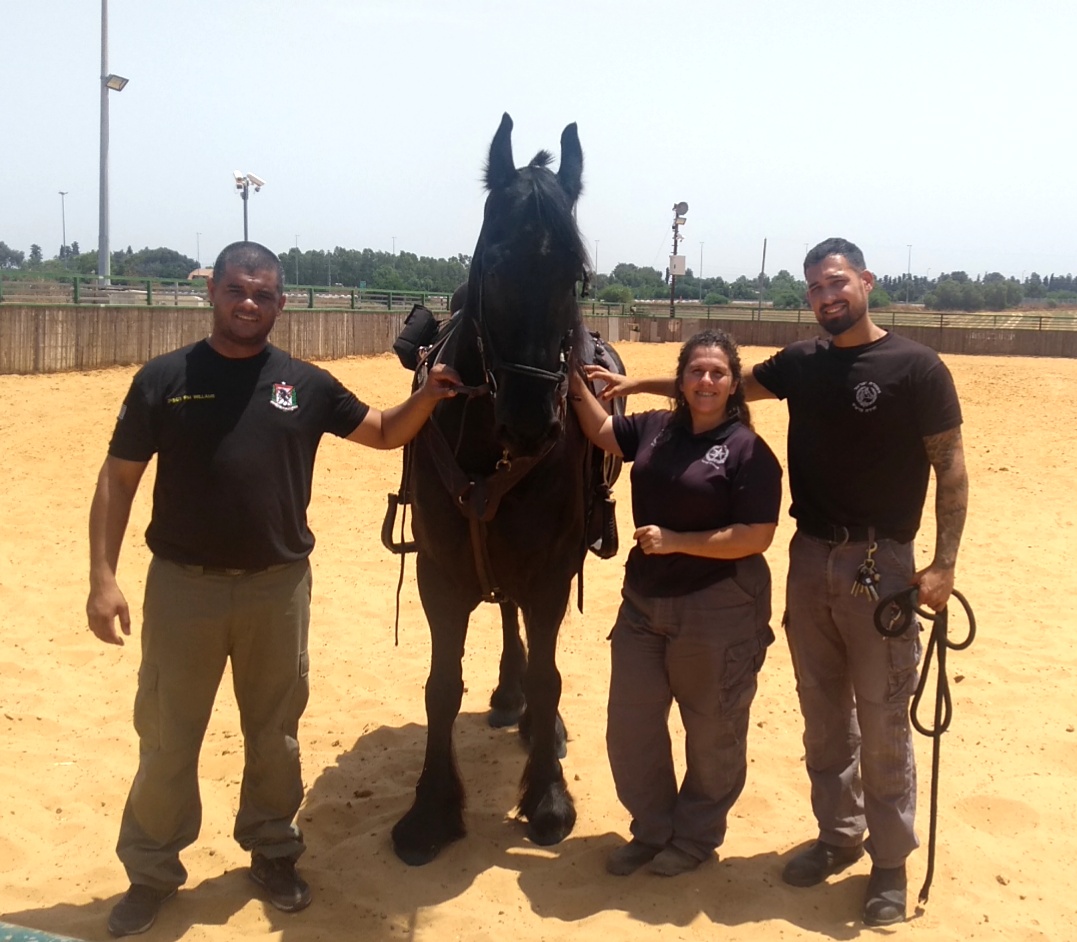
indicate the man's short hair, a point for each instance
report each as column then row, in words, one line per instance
column 250, row 257
column 835, row 246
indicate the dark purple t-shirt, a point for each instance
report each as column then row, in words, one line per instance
column 691, row 483
column 857, row 421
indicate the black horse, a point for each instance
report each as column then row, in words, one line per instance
column 498, row 482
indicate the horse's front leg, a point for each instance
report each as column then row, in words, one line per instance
column 545, row 800
column 507, row 701
column 437, row 816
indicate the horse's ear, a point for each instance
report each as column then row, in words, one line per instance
column 500, row 170
column 570, row 173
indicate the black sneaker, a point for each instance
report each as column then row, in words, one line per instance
column 820, row 861
column 137, row 909
column 288, row 891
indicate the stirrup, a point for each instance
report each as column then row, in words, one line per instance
column 400, row 547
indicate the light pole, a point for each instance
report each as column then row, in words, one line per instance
column 63, row 222
column 394, row 246
column 908, row 276
column 701, row 271
column 679, row 209
column 116, row 83
column 198, row 248
column 244, row 181
column 297, row 258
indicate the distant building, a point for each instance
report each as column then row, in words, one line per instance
column 200, row 273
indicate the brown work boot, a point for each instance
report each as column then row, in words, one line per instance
column 820, row 861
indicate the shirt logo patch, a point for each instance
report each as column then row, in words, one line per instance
column 716, row 456
column 284, row 397
column 866, row 397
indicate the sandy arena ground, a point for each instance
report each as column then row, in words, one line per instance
column 1007, row 831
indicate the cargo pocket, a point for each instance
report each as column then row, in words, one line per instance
column 300, row 695
column 147, row 717
column 743, row 661
column 904, row 653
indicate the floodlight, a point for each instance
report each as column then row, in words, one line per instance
column 115, row 82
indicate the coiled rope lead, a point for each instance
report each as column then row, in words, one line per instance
column 893, row 617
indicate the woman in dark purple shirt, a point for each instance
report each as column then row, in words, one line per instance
column 694, row 621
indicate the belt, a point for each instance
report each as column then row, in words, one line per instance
column 224, row 571
column 838, row 533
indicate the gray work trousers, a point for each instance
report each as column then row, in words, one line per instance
column 854, row 686
column 193, row 623
column 704, row 651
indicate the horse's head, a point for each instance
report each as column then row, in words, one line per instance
column 522, row 287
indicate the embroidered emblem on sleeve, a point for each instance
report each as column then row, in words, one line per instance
column 866, row 397
column 284, row 397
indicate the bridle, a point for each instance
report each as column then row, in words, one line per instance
column 493, row 364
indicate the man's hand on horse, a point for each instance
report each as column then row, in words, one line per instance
column 442, row 382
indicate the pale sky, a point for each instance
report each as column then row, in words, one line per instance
column 944, row 125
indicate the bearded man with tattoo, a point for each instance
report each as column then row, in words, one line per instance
column 871, row 413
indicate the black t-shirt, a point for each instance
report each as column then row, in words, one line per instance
column 691, row 483
column 857, row 420
column 235, row 440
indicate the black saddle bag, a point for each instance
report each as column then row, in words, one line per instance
column 420, row 329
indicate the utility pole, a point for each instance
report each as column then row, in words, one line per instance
column 762, row 275
column 701, row 272
column 908, row 276
column 198, row 248
column 63, row 221
column 297, row 258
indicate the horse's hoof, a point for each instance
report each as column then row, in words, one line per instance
column 500, row 718
column 416, row 856
column 548, row 830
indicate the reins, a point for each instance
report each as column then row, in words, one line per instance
column 477, row 497
column 891, row 624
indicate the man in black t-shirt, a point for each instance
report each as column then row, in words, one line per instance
column 235, row 424
column 871, row 414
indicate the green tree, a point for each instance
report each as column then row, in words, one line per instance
column 35, row 256
column 616, row 294
column 879, row 299
column 10, row 258
column 388, row 278
column 158, row 263
column 715, row 297
column 744, row 290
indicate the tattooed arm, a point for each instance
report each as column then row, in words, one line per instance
column 947, row 457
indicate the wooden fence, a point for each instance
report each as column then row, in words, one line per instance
column 59, row 338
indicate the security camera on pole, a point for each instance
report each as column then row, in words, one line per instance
column 676, row 262
column 244, row 181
